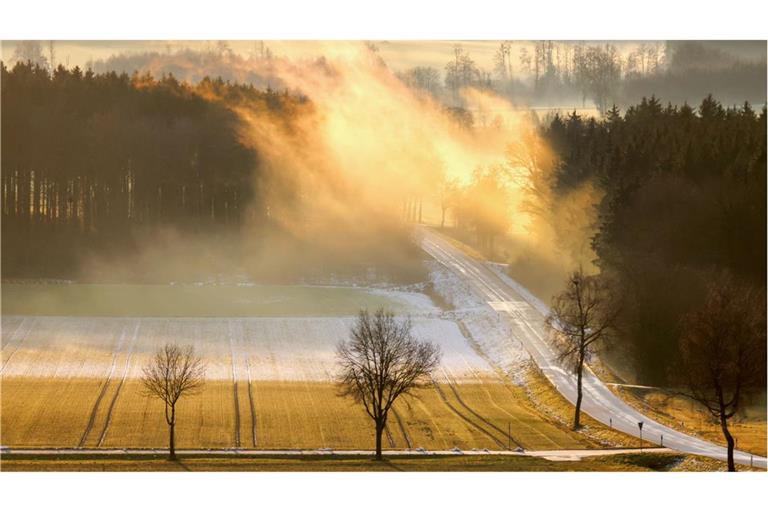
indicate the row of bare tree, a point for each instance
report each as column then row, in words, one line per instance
column 723, row 349
column 381, row 361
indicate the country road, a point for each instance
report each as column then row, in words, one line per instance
column 526, row 315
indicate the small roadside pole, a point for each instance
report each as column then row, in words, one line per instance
column 662, row 440
column 610, row 422
column 751, row 461
column 640, row 424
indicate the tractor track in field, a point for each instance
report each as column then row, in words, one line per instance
column 480, row 417
column 234, row 385
column 19, row 342
column 402, row 429
column 464, row 417
column 390, row 439
column 250, row 403
column 108, row 419
column 102, row 391
column 503, row 378
column 451, row 381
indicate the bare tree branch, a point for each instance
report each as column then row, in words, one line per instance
column 584, row 314
column 173, row 372
column 722, row 349
column 381, row 361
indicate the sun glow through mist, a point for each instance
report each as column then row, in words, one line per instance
column 348, row 156
column 366, row 143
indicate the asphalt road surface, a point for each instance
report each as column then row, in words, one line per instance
column 526, row 315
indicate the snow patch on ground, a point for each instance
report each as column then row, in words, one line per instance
column 487, row 331
column 454, row 290
column 286, row 348
column 493, row 336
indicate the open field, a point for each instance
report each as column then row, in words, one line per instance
column 286, row 414
column 287, row 348
column 626, row 462
column 200, row 300
column 72, row 381
column 269, row 380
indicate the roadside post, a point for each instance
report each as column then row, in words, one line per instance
column 640, row 424
column 662, row 440
column 610, row 422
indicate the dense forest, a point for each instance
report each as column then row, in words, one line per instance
column 684, row 201
column 89, row 160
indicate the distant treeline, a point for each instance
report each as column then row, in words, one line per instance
column 577, row 73
column 685, row 200
column 536, row 73
column 91, row 159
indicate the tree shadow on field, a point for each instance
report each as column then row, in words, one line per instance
column 389, row 464
column 181, row 464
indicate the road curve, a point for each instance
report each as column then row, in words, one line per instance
column 526, row 315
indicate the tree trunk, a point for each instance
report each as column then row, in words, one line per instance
column 172, row 440
column 577, row 414
column 729, row 439
column 172, row 444
column 379, row 431
column 419, row 210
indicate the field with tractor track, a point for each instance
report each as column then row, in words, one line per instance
column 71, row 376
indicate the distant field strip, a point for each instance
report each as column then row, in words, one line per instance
column 202, row 300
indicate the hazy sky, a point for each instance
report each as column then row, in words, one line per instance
column 398, row 54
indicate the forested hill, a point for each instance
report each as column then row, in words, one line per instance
column 91, row 159
column 684, row 201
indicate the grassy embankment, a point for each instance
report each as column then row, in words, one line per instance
column 630, row 462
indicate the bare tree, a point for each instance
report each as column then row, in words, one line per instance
column 30, row 51
column 52, row 56
column 582, row 315
column 381, row 361
column 723, row 351
column 173, row 372
column 447, row 194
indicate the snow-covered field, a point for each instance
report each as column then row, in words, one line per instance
column 486, row 330
column 474, row 340
column 266, row 348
